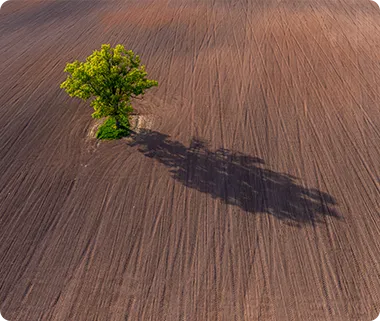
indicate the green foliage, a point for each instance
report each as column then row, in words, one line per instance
column 109, row 129
column 111, row 77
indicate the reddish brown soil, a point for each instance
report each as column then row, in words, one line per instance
column 252, row 193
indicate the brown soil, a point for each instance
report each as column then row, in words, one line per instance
column 251, row 192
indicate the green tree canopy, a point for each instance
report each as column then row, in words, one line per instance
column 112, row 77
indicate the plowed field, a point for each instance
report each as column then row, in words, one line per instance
column 250, row 192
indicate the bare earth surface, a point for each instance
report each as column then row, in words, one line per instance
column 251, row 191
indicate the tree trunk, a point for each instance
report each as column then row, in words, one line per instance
column 117, row 122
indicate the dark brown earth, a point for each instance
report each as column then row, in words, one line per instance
column 251, row 192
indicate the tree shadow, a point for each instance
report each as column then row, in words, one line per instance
column 237, row 179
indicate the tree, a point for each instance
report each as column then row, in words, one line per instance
column 111, row 77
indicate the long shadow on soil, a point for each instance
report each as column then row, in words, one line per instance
column 237, row 179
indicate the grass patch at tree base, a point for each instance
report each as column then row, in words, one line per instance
column 110, row 131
